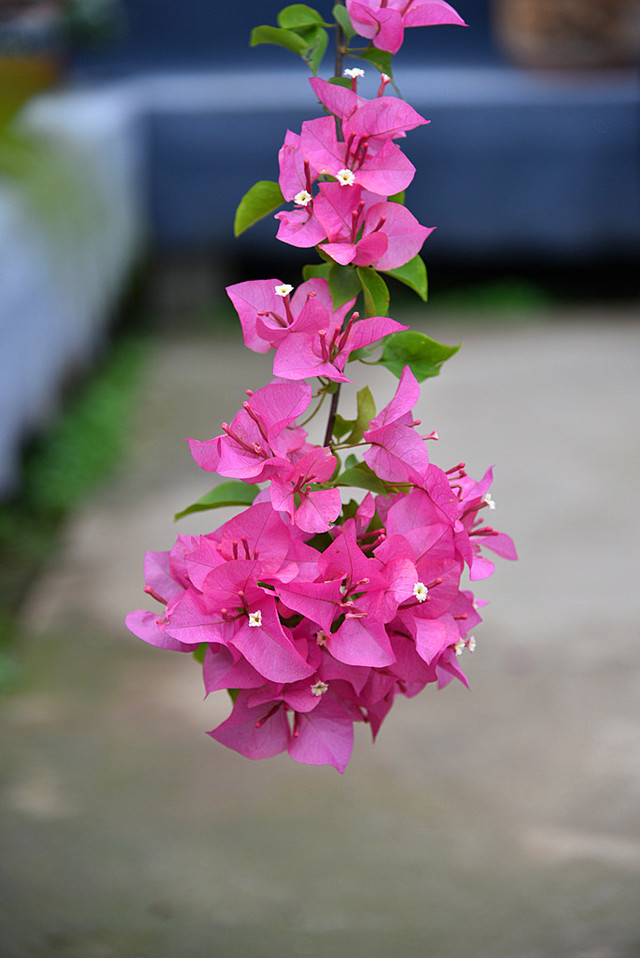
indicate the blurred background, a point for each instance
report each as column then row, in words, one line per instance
column 502, row 822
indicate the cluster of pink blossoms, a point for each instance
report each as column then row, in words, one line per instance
column 313, row 612
column 350, row 218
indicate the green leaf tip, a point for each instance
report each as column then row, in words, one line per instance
column 298, row 15
column 342, row 17
column 424, row 356
column 414, row 275
column 263, row 198
column 279, row 37
column 344, row 284
column 376, row 294
column 231, row 493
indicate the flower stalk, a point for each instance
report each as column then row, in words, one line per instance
column 337, row 586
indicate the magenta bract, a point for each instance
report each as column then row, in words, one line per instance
column 341, row 586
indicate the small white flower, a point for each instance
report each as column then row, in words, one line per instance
column 385, row 78
column 471, row 643
column 321, row 637
column 303, row 198
column 354, row 73
column 420, row 591
column 345, row 177
column 459, row 647
column 255, row 619
column 489, row 501
column 319, row 688
column 283, row 290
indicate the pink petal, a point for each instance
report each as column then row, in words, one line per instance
column 339, row 100
column 324, row 736
column 318, row 510
column 268, row 649
column 144, row 625
column 386, row 172
column 502, row 545
column 299, row 228
column 404, row 233
column 239, row 731
column 361, row 642
column 386, row 116
column 427, row 13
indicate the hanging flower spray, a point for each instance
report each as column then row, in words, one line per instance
column 313, row 609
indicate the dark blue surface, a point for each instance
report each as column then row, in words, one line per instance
column 511, row 163
column 207, row 34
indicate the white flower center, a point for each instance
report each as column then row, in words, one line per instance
column 385, row 78
column 255, row 619
column 489, row 501
column 420, row 591
column 283, row 290
column 319, row 688
column 321, row 637
column 463, row 644
column 353, row 73
column 303, row 198
column 345, row 177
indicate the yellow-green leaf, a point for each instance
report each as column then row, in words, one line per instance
column 231, row 493
column 263, row 198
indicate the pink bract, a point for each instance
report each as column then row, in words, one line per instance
column 384, row 21
column 313, row 609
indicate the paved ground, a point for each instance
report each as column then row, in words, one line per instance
column 503, row 822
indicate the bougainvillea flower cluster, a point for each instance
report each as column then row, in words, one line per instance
column 339, row 585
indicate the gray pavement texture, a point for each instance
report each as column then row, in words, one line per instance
column 500, row 822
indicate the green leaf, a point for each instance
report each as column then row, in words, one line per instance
column 366, row 412
column 341, row 81
column 362, row 477
column 299, row 15
column 200, row 651
column 341, row 426
column 349, row 509
column 380, row 59
column 343, row 18
column 318, row 40
column 351, row 461
column 376, row 294
column 263, row 197
column 316, row 271
column 423, row 355
column 281, row 38
column 232, row 493
column 343, row 284
column 397, row 197
column 412, row 274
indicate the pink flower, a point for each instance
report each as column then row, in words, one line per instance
column 323, row 736
column 259, row 440
column 366, row 232
column 380, row 166
column 384, row 21
column 397, row 452
column 268, row 312
column 316, row 509
column 320, row 347
column 366, row 121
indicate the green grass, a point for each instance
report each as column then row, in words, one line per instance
column 60, row 469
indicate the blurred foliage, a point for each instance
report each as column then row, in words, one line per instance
column 60, row 469
column 501, row 297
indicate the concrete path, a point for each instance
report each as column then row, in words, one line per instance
column 503, row 822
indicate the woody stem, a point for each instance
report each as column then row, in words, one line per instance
column 338, row 66
column 332, row 415
column 340, row 38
